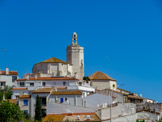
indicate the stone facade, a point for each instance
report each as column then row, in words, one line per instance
column 75, row 56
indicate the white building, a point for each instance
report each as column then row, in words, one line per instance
column 53, row 67
column 24, row 86
column 8, row 77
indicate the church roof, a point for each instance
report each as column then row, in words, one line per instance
column 100, row 76
column 54, row 60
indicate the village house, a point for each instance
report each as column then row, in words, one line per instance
column 8, row 78
column 52, row 95
column 100, row 80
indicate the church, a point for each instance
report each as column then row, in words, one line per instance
column 72, row 67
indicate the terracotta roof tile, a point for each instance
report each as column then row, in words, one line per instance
column 12, row 100
column 135, row 97
column 43, row 90
column 48, row 90
column 54, row 117
column 66, row 92
column 10, row 73
column 71, row 117
column 24, row 96
column 100, row 76
column 48, row 78
column 19, row 88
column 53, row 60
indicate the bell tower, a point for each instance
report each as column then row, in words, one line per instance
column 75, row 56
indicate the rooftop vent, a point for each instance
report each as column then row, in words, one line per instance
column 88, row 117
column 78, row 117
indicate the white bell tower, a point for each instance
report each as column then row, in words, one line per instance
column 75, row 56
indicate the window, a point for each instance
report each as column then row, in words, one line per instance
column 61, row 100
column 64, row 83
column 25, row 102
column 25, row 111
column 2, row 83
column 44, row 83
column 43, row 101
column 80, row 83
column 14, row 78
column 22, row 84
column 31, row 84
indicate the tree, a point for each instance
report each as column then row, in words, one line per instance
column 7, row 91
column 38, row 109
column 10, row 112
column 160, row 120
column 86, row 79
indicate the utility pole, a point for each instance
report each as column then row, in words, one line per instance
column 110, row 105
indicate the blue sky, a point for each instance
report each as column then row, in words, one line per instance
column 122, row 38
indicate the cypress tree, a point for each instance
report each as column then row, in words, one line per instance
column 38, row 109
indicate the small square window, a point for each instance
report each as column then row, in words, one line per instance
column 31, row 84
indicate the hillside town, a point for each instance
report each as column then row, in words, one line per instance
column 66, row 94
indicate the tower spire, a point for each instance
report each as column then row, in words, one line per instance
column 74, row 38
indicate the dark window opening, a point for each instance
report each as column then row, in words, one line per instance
column 44, row 83
column 43, row 101
column 31, row 84
column 64, row 83
column 22, row 84
column 14, row 78
column 2, row 83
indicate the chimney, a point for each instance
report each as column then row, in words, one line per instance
column 7, row 71
column 27, row 77
column 36, row 76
